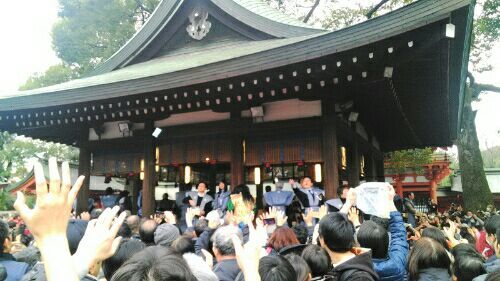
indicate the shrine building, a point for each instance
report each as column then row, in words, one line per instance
column 234, row 90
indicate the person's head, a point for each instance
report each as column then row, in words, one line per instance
column 165, row 196
column 200, row 226
column 154, row 263
column 95, row 213
column 165, row 234
column 301, row 233
column 491, row 226
column 5, row 238
column 199, row 267
column 281, row 238
column 469, row 213
column 222, row 186
column 147, row 231
column 244, row 191
column 411, row 195
column 183, row 244
column 427, row 253
column 336, row 233
column 373, row 236
column 202, row 187
column 468, row 262
column 276, row 268
column 222, row 244
column 74, row 233
column 109, row 191
column 126, row 249
column 133, row 222
column 318, row 260
column 268, row 188
column 306, row 182
column 300, row 266
column 436, row 234
column 124, row 231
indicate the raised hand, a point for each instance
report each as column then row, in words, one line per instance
column 189, row 217
column 353, row 216
column 100, row 241
column 48, row 220
column 53, row 205
column 308, row 219
column 84, row 216
column 248, row 256
column 170, row 217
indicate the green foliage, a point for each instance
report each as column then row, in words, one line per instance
column 485, row 34
column 491, row 157
column 398, row 162
column 89, row 32
column 6, row 201
column 56, row 74
column 15, row 151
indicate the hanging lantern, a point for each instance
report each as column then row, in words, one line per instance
column 187, row 174
column 257, row 175
column 317, row 173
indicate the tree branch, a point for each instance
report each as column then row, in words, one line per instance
column 370, row 13
column 311, row 11
column 487, row 88
column 478, row 87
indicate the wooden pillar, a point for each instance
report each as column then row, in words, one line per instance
column 149, row 182
column 433, row 194
column 237, row 165
column 379, row 167
column 371, row 172
column 353, row 164
column 83, row 170
column 329, row 148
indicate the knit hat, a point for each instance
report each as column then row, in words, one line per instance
column 165, row 234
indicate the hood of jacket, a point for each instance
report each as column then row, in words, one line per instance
column 434, row 274
column 362, row 262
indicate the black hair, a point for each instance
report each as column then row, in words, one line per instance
column 300, row 266
column 468, row 262
column 154, row 263
column 493, row 276
column 124, row 231
column 4, row 234
column 200, row 226
column 318, row 260
column 109, row 191
column 301, row 233
column 126, row 249
column 337, row 232
column 183, row 244
column 374, row 236
column 492, row 224
column 245, row 192
column 202, row 182
column 427, row 253
column 437, row 235
column 268, row 188
column 147, row 231
column 276, row 268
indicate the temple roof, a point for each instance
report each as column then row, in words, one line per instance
column 402, row 71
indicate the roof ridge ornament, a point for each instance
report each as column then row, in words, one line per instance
column 199, row 25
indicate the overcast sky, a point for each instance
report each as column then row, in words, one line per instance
column 26, row 48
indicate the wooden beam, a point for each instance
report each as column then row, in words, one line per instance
column 329, row 148
column 379, row 167
column 84, row 170
column 149, row 181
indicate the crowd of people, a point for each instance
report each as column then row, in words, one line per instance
column 226, row 237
